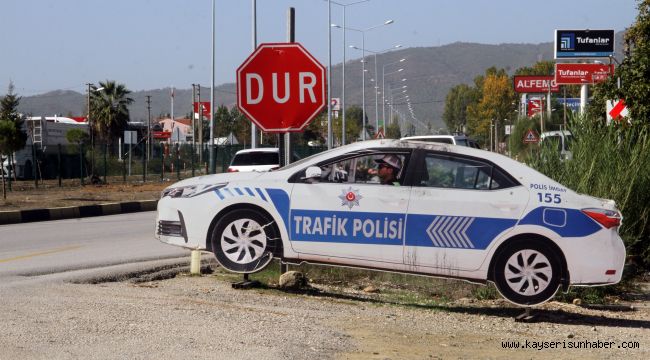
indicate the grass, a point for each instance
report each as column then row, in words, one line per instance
column 392, row 288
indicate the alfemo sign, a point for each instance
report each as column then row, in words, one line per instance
column 535, row 84
column 584, row 43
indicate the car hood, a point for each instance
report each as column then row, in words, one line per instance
column 219, row 178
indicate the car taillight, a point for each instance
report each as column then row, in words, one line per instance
column 232, row 170
column 606, row 218
column 274, row 168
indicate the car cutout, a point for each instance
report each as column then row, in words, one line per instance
column 451, row 212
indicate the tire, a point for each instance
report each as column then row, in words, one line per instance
column 527, row 272
column 242, row 243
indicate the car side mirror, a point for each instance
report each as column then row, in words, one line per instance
column 313, row 173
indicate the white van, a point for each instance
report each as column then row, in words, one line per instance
column 461, row 140
column 563, row 139
column 259, row 159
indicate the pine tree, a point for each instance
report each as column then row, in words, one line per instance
column 12, row 135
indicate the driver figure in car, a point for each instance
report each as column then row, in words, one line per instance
column 388, row 169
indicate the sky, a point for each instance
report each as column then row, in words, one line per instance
column 150, row 44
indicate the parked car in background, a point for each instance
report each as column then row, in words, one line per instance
column 563, row 140
column 461, row 140
column 259, row 159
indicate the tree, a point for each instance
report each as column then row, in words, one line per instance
column 241, row 125
column 540, row 68
column 393, row 131
column 77, row 136
column 354, row 114
column 633, row 72
column 12, row 135
column 494, row 106
column 352, row 126
column 456, row 103
column 223, row 123
column 109, row 113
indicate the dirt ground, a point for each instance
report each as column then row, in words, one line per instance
column 26, row 195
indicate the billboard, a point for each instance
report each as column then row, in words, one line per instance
column 572, row 104
column 535, row 84
column 583, row 43
column 572, row 74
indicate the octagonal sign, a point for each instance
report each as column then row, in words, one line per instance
column 281, row 87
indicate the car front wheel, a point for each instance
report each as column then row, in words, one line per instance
column 243, row 241
column 527, row 272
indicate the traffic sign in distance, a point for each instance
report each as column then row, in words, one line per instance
column 531, row 137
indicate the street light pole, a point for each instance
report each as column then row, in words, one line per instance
column 344, row 6
column 330, row 141
column 211, row 118
column 383, row 87
column 363, row 86
column 363, row 68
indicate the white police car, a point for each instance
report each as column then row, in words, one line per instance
column 404, row 206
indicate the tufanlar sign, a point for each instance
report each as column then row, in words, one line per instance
column 584, row 43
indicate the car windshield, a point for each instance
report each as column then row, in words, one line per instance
column 256, row 158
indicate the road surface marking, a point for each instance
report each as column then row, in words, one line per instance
column 53, row 251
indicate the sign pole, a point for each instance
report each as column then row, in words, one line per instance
column 254, row 43
column 285, row 151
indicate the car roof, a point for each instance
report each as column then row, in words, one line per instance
column 434, row 137
column 556, row 132
column 257, row 150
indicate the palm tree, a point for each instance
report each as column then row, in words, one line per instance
column 109, row 109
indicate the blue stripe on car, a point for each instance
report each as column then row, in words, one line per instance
column 280, row 200
column 219, row 194
column 259, row 191
column 460, row 232
column 564, row 222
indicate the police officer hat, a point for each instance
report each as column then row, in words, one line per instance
column 391, row 160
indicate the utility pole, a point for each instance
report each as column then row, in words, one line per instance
column 90, row 129
column 200, row 111
column 149, row 138
column 193, row 118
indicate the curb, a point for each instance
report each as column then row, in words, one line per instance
column 74, row 212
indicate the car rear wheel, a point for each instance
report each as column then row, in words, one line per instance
column 527, row 272
column 244, row 240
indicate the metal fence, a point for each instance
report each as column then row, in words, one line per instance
column 161, row 162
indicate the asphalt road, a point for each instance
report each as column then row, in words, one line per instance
column 78, row 247
column 50, row 311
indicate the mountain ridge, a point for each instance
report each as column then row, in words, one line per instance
column 430, row 73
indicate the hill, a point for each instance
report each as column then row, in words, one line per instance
column 430, row 73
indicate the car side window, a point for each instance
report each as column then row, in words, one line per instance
column 459, row 173
column 365, row 169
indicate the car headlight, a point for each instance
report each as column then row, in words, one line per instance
column 190, row 190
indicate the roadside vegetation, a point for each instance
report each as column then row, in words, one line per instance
column 609, row 161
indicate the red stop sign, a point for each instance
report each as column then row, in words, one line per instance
column 281, row 87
